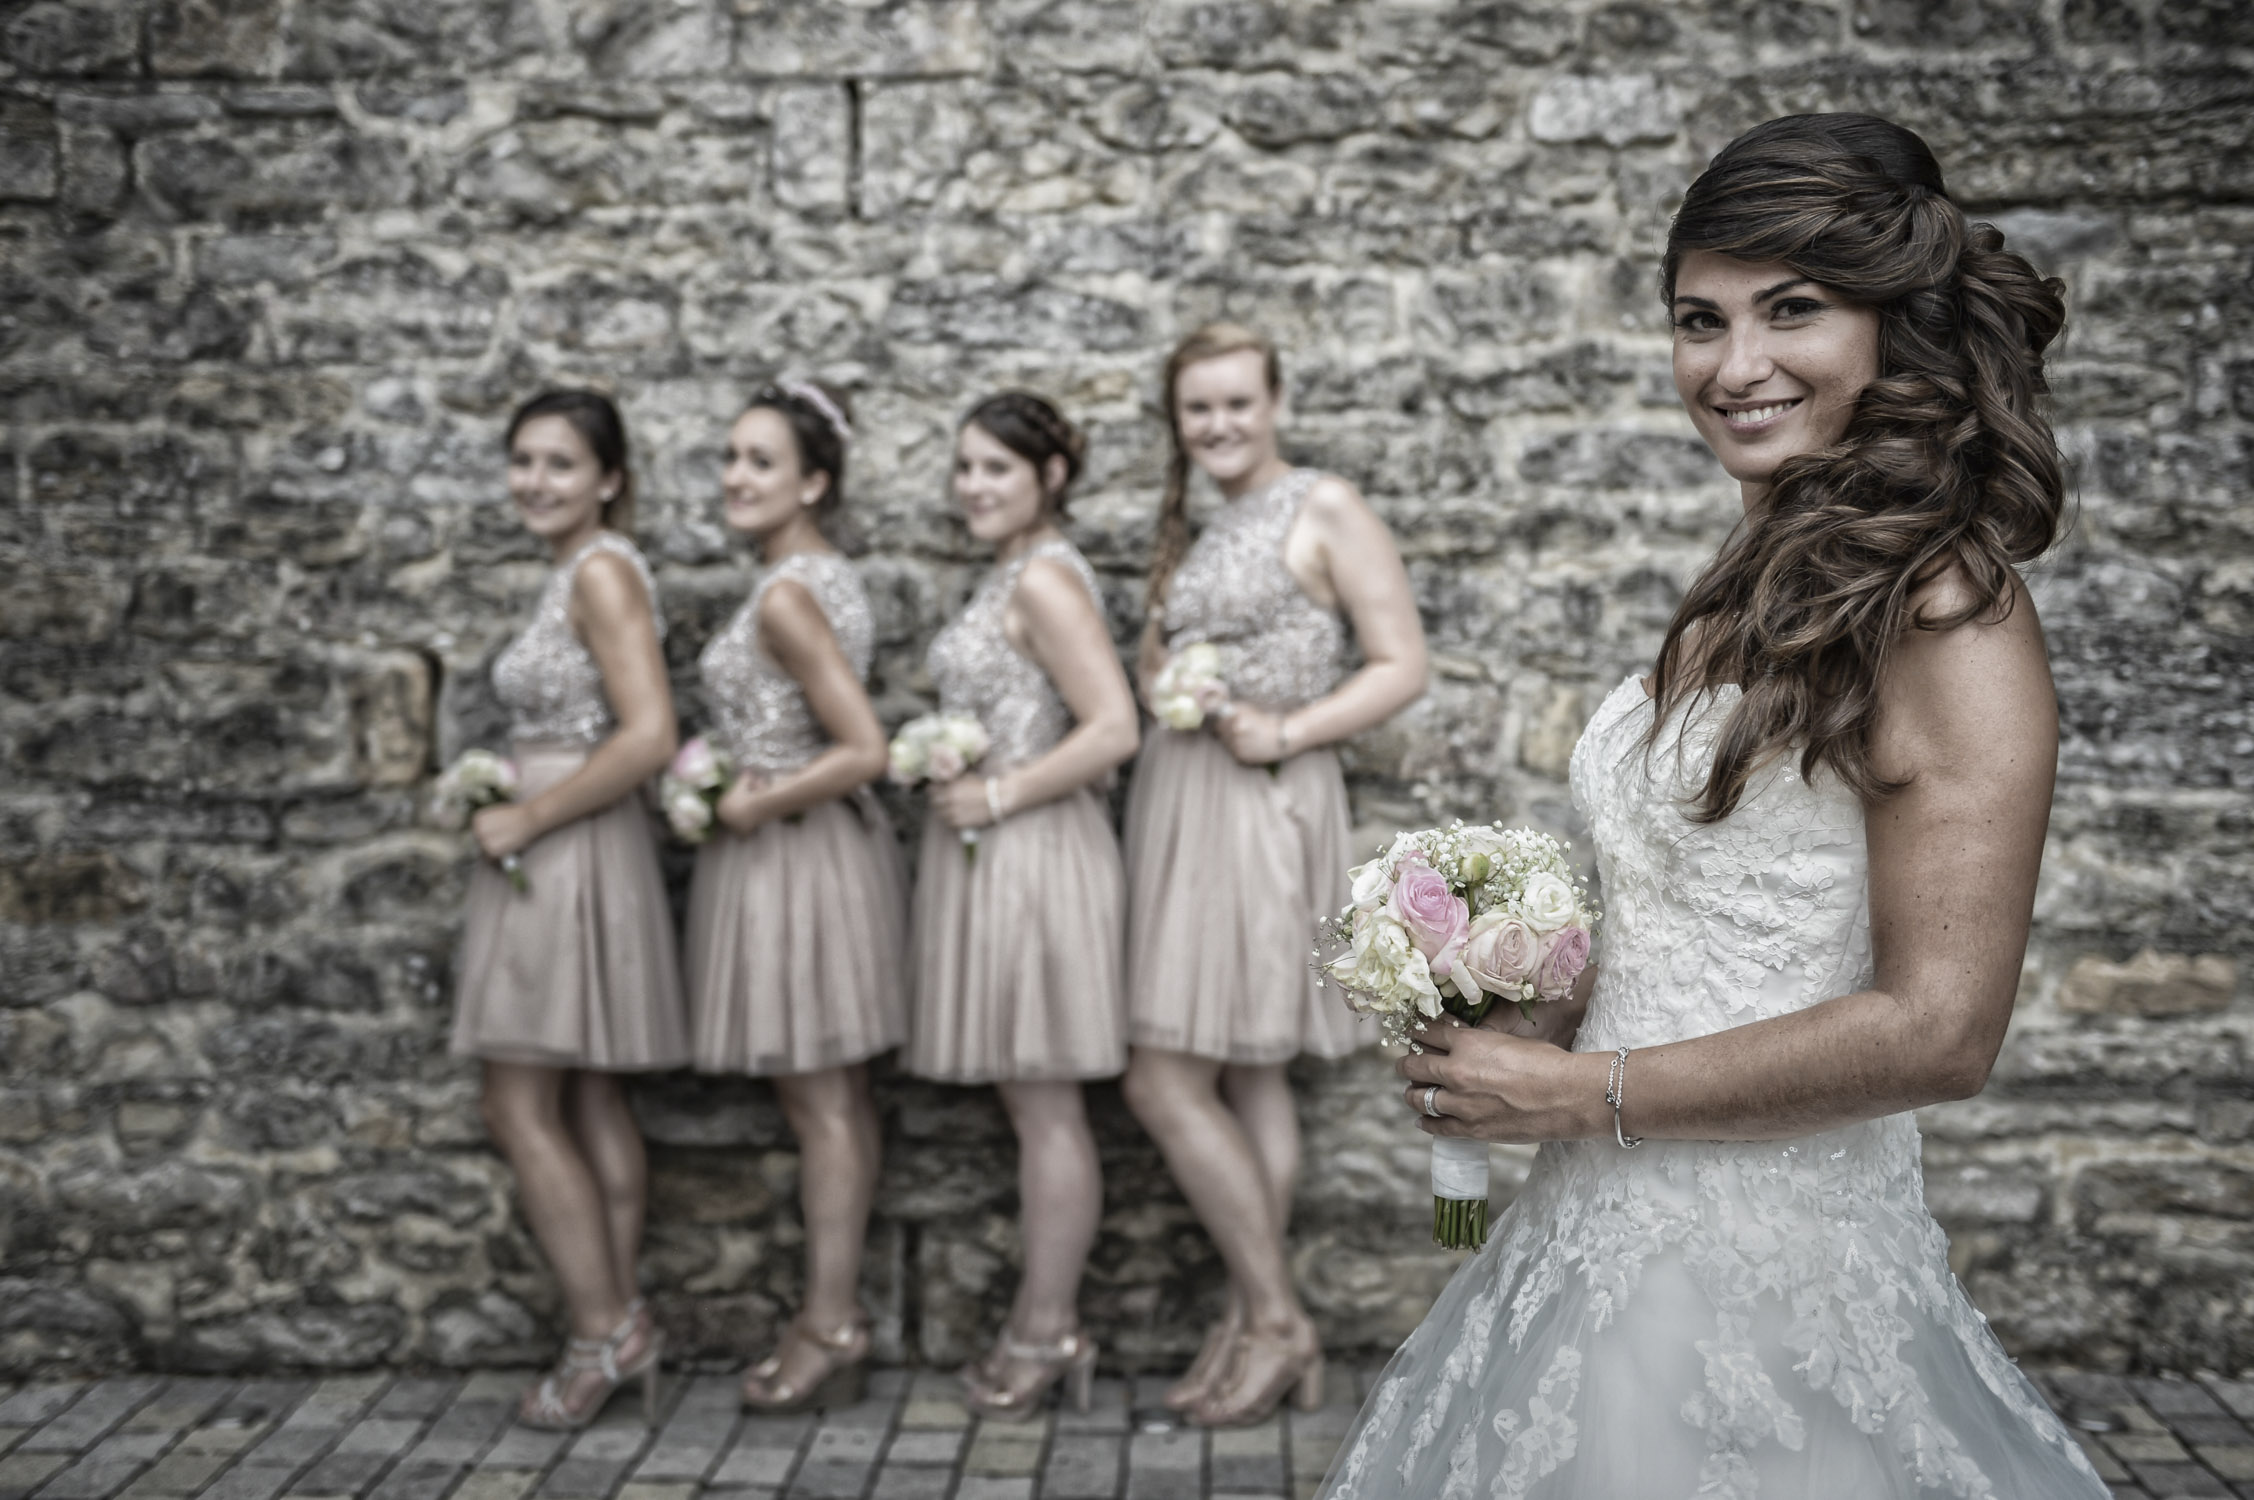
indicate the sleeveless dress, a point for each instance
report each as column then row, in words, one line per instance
column 1734, row 1319
column 1016, row 950
column 1229, row 868
column 579, row 970
column 795, row 931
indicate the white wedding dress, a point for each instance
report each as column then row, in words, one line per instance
column 1711, row 1318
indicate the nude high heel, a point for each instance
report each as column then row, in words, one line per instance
column 548, row 1405
column 1295, row 1368
column 1071, row 1359
column 844, row 1377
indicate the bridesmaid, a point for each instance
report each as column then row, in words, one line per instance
column 573, row 982
column 796, row 913
column 1017, row 951
column 1237, row 837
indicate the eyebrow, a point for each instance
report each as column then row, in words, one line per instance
column 1782, row 286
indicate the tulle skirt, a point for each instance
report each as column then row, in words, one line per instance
column 1229, row 869
column 795, row 942
column 1017, row 951
column 578, row 970
column 1693, row 1321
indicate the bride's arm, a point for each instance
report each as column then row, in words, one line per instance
column 1968, row 720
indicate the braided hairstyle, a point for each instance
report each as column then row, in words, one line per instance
column 1035, row 431
column 1208, row 342
column 822, row 436
column 594, row 416
column 1947, row 462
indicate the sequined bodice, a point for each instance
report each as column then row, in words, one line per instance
column 980, row 673
column 1279, row 648
column 758, row 710
column 546, row 677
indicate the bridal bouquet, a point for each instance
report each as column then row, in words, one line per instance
column 939, row 747
column 1189, row 686
column 1450, row 921
column 478, row 779
column 691, row 788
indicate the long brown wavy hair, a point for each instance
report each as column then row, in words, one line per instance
column 1947, row 462
column 1209, row 341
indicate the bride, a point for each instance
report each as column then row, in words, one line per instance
column 1818, row 822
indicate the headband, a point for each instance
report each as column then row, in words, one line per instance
column 814, row 396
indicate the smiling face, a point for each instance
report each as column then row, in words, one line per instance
column 1768, row 363
column 558, row 485
column 764, row 487
column 999, row 489
column 1227, row 415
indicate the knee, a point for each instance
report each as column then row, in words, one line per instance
column 1153, row 1093
column 508, row 1115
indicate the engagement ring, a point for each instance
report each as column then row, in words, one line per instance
column 1431, row 1090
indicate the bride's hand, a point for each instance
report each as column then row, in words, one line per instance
column 1499, row 1087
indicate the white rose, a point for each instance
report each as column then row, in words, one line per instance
column 1179, row 711
column 1547, row 902
column 1372, row 884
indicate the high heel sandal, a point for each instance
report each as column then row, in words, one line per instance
column 845, row 1355
column 548, row 1405
column 1211, row 1364
column 1297, row 1371
column 1071, row 1358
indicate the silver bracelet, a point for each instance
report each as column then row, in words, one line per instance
column 1615, row 1080
column 994, row 797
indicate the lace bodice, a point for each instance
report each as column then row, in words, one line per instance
column 758, row 710
column 1279, row 648
column 1785, row 1273
column 546, row 677
column 1709, row 926
column 980, row 673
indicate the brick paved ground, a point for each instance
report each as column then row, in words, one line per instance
column 380, row 1437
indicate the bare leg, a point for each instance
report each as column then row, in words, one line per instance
column 1060, row 1197
column 564, row 1203
column 1177, row 1098
column 1260, row 1098
column 835, row 1121
column 604, row 1126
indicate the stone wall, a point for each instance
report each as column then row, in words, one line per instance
column 275, row 270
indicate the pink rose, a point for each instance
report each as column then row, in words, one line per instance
column 1436, row 917
column 1565, row 953
column 694, row 763
column 946, row 762
column 1501, row 953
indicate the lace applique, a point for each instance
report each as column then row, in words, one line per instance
column 758, row 710
column 978, row 671
column 1278, row 647
column 546, row 677
column 1709, row 927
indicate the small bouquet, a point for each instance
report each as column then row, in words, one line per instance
column 1189, row 687
column 691, row 788
column 478, row 779
column 939, row 747
column 1452, row 920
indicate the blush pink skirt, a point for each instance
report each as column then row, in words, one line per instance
column 578, row 970
column 796, row 941
column 1017, row 950
column 1229, row 869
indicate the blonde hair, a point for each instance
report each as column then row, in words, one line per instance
column 1211, row 341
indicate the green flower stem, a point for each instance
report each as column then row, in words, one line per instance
column 1459, row 1223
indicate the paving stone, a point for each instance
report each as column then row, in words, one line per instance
column 409, row 1480
column 182, row 1403
column 360, row 1456
column 2234, row 1461
column 182, row 1472
column 854, row 1445
column 989, row 1487
column 612, row 1442
column 1083, row 1466
column 109, row 1466
column 89, row 1419
column 1107, row 1409
column 2108, row 1467
column 1005, row 1451
column 10, row 1436
column 755, row 1466
column 911, row 1482
column 643, row 1490
column 703, row 1419
column 1165, row 1465
column 247, row 1481
column 35, row 1404
column 2218, row 1430
column 2238, row 1395
column 497, row 1385
column 21, row 1473
column 2176, row 1398
column 2139, row 1447
column 523, row 1448
column 582, row 1479
column 828, row 1481
column 2164, row 1480
column 416, row 1398
column 939, row 1447
column 495, row 1484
